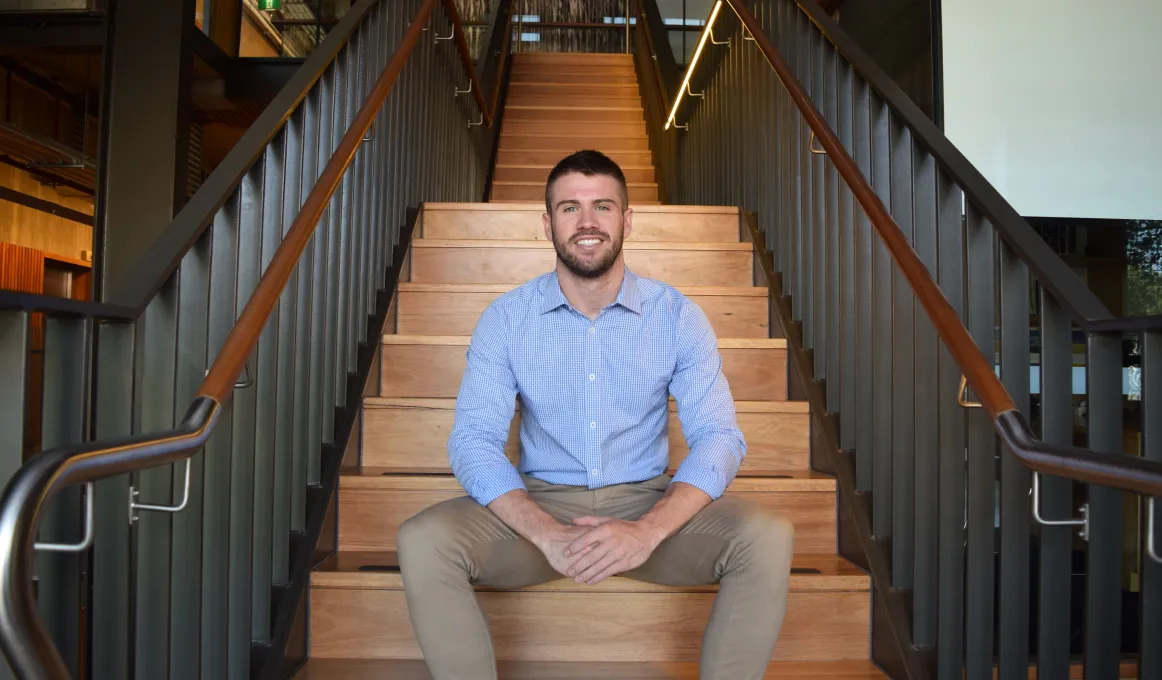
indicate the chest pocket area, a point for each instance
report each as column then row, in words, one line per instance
column 639, row 373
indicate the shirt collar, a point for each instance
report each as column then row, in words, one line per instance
column 628, row 297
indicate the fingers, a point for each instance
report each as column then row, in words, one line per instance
column 617, row 567
column 590, row 538
column 591, row 521
column 605, row 564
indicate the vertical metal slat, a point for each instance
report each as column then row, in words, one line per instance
column 903, row 356
column 1150, row 661
column 881, row 315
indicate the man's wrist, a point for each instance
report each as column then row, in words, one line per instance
column 653, row 529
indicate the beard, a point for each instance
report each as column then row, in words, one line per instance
column 587, row 268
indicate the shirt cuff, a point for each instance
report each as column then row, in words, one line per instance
column 493, row 482
column 710, row 471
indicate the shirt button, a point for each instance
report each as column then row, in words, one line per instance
column 592, row 425
column 594, row 472
column 592, row 376
column 592, row 330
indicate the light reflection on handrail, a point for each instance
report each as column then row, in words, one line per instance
column 693, row 64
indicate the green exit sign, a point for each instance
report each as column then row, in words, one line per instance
column 269, row 5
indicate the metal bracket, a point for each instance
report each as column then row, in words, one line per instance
column 247, row 380
column 460, row 92
column 689, row 92
column 717, row 42
column 1151, row 547
column 960, row 395
column 134, row 506
column 746, row 34
column 479, row 122
column 448, row 37
column 369, row 138
column 681, row 127
column 86, row 541
column 811, row 146
column 1083, row 522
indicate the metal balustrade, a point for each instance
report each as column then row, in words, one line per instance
column 206, row 407
column 905, row 278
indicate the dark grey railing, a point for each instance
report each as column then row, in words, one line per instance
column 907, row 275
column 256, row 315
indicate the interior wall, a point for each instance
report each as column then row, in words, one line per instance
column 39, row 230
column 1056, row 102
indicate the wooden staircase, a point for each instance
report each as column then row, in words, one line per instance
column 463, row 257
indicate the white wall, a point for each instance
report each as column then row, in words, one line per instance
column 1059, row 102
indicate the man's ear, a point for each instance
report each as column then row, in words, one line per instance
column 548, row 224
column 628, row 220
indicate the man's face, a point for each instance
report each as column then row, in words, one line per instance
column 588, row 222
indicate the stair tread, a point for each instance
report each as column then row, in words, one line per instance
column 463, row 340
column 380, row 569
column 498, row 288
column 523, row 107
column 529, row 207
column 368, row 669
column 450, row 404
column 546, row 166
column 542, row 243
column 396, row 480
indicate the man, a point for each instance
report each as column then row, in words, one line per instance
column 594, row 352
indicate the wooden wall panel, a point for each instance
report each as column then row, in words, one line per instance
column 39, row 230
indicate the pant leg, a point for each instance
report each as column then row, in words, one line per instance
column 447, row 549
column 747, row 551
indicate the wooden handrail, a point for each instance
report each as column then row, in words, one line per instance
column 1123, row 472
column 219, row 382
column 973, row 364
column 466, row 59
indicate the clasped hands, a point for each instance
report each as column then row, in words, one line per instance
column 595, row 548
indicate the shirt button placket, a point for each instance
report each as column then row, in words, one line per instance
column 593, row 450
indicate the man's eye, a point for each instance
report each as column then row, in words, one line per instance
column 570, row 209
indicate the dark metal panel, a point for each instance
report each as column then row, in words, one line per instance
column 982, row 448
column 1103, row 566
column 333, row 92
column 150, row 576
column 14, row 346
column 903, row 356
column 1150, row 662
column 266, row 374
column 814, row 322
column 1054, row 605
column 186, row 549
column 881, row 340
column 303, row 384
column 927, row 395
column 64, row 421
column 1013, row 614
column 950, row 451
column 864, row 239
column 286, row 429
column 832, row 274
column 113, row 417
column 242, row 459
column 848, row 335
column 224, row 265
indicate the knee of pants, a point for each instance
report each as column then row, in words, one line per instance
column 770, row 538
column 421, row 540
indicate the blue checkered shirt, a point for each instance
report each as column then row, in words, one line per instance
column 593, row 394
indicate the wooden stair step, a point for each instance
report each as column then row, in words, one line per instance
column 454, row 308
column 429, row 366
column 521, row 221
column 373, row 503
column 622, row 68
column 501, row 261
column 597, row 114
column 632, row 101
column 535, row 191
column 412, row 434
column 595, row 91
column 574, row 141
column 548, row 156
column 617, row 620
column 540, row 174
column 592, row 128
column 411, row 669
column 380, row 570
column 523, row 58
column 583, row 76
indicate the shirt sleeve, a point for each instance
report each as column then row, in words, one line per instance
column 705, row 407
column 485, row 408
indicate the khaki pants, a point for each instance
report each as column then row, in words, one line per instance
column 451, row 546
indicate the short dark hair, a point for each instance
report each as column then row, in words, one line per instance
column 588, row 163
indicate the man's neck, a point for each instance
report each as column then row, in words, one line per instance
column 590, row 296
